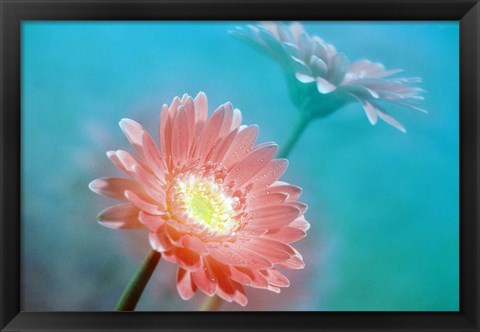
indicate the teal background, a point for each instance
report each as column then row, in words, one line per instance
column 383, row 205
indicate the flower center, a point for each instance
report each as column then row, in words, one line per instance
column 206, row 204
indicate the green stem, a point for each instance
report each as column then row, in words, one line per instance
column 137, row 284
column 295, row 134
column 212, row 303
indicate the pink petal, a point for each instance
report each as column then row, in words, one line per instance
column 300, row 223
column 120, row 216
column 239, row 276
column 112, row 155
column 195, row 244
column 226, row 256
column 185, row 258
column 293, row 264
column 209, row 135
column 174, row 235
column 184, row 98
column 286, row 234
column 150, row 185
column 255, row 201
column 274, row 289
column 201, row 107
column 180, row 138
column 222, row 147
column 227, row 120
column 296, row 262
column 190, row 112
column 165, row 132
column 152, row 156
column 271, row 173
column 276, row 278
column 225, row 288
column 188, row 259
column 293, row 192
column 372, row 69
column 133, row 131
column 179, row 227
column 390, row 72
column 240, row 297
column 124, row 161
column 253, row 163
column 272, row 217
column 142, row 204
column 241, row 145
column 363, row 65
column 185, row 286
column 152, row 222
column 258, row 280
column 252, row 259
column 273, row 250
column 300, row 206
column 159, row 241
column 205, row 280
column 128, row 161
column 172, row 109
column 237, row 118
column 114, row 187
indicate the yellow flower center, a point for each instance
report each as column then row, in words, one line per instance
column 200, row 206
column 206, row 204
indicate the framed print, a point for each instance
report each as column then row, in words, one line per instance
column 239, row 165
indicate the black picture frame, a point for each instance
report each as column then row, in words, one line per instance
column 467, row 12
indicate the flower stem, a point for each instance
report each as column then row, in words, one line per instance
column 212, row 303
column 137, row 284
column 294, row 135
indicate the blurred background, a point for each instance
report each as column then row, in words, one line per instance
column 383, row 205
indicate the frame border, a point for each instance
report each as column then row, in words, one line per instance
column 12, row 12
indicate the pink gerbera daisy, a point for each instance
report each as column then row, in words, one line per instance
column 210, row 199
column 322, row 80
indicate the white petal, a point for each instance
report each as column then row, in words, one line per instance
column 324, row 86
column 304, row 78
column 319, row 67
column 337, row 68
column 388, row 119
column 284, row 33
column 371, row 112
